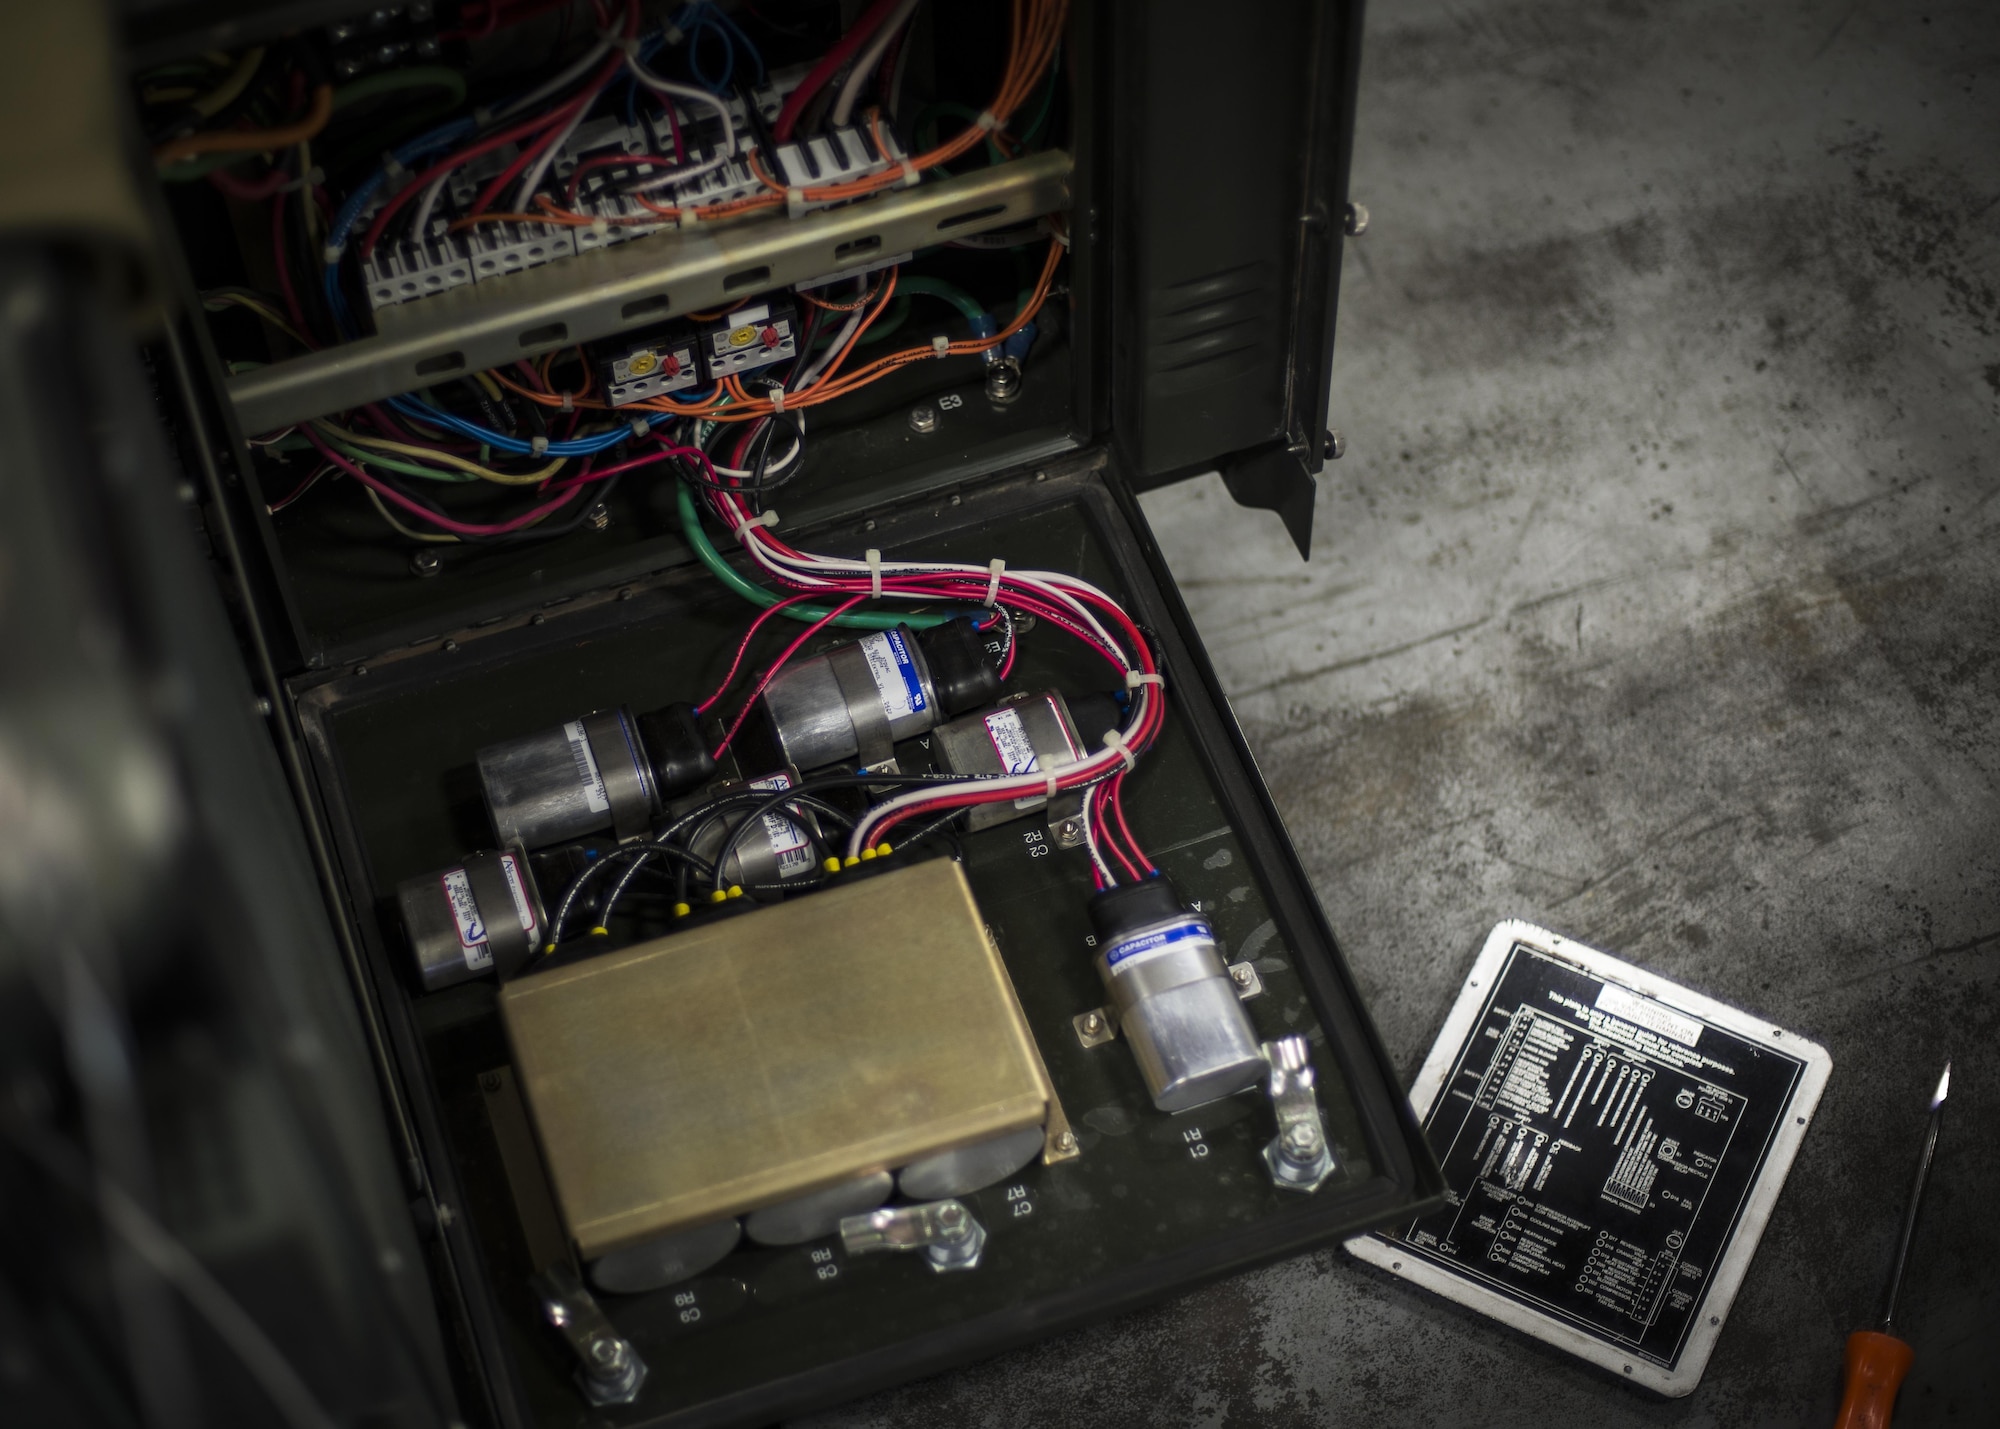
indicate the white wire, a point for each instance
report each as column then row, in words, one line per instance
column 869, row 60
column 422, row 218
column 667, row 88
column 559, row 82
column 1090, row 843
column 532, row 179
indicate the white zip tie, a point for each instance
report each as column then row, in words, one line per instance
column 1136, row 678
column 874, row 559
column 483, row 115
column 988, row 119
column 629, row 44
column 332, row 252
column 998, row 568
column 795, row 203
column 751, row 523
column 671, row 33
column 538, row 447
column 1052, row 782
column 910, row 175
column 599, row 229
column 640, row 426
column 941, row 345
column 392, row 168
column 569, row 404
column 1114, row 740
column 689, row 214
column 777, row 399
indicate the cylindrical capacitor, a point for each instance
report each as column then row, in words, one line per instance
column 607, row 770
column 665, row 1260
column 480, row 915
column 1176, row 1004
column 850, row 704
column 765, row 858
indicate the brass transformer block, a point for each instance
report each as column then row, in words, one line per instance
column 769, row 1055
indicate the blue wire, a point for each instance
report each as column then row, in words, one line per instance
column 500, row 441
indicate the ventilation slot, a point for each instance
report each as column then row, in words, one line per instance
column 443, row 362
column 855, row 247
column 746, row 278
column 546, row 333
column 644, row 307
column 959, row 220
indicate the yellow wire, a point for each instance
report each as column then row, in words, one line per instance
column 492, row 387
column 450, row 459
column 233, row 84
column 262, row 310
column 435, row 539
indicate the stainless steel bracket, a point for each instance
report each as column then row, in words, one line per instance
column 945, row 1231
column 609, row 1370
column 1299, row 1157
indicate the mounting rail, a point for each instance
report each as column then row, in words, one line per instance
column 636, row 284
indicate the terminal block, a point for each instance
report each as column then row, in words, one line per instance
column 749, row 338
column 635, row 366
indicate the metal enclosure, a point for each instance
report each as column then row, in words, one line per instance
column 1198, row 333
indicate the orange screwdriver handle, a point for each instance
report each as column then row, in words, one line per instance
column 1876, row 1364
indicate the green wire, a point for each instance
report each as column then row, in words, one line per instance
column 361, row 456
column 950, row 292
column 759, row 595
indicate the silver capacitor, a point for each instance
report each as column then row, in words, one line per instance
column 577, row 779
column 1177, row 1006
column 852, row 703
column 764, row 860
column 1026, row 734
column 481, row 914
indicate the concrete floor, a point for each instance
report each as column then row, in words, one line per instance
column 1656, row 601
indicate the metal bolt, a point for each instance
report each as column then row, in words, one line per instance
column 1041, row 476
column 599, row 517
column 607, row 1351
column 490, row 1081
column 1066, row 1141
column 1336, row 445
column 923, row 419
column 1356, row 222
column 1094, row 1023
column 426, row 562
column 1003, row 380
column 1070, row 828
column 538, row 619
column 1301, row 1142
column 1240, row 975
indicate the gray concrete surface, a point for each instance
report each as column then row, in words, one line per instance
column 1657, row 601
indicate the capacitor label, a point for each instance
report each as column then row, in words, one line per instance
column 465, row 912
column 586, row 768
column 1130, row 952
column 788, row 841
column 895, row 673
column 1011, row 743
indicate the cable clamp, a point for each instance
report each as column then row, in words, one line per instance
column 941, row 345
column 910, row 175
column 874, row 559
column 568, row 402
column 640, row 426
column 996, row 568
column 1115, row 740
column 1136, row 678
column 988, row 120
column 538, row 447
column 751, row 523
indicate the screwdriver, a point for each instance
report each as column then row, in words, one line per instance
column 1876, row 1360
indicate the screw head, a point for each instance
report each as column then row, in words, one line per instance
column 1335, row 446
column 1240, row 976
column 426, row 562
column 1066, row 1141
column 1003, row 380
column 1356, row 222
column 600, row 517
column 923, row 418
column 1301, row 1142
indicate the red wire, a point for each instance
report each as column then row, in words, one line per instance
column 779, row 664
column 459, row 528
column 744, row 648
column 829, row 65
column 1116, row 799
column 1100, row 797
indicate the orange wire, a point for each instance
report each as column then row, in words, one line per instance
column 251, row 141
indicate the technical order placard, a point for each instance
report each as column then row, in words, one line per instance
column 1600, row 1149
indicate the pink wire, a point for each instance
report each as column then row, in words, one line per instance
column 744, row 648
column 779, row 664
column 459, row 528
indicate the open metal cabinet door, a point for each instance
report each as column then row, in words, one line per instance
column 1229, row 141
column 206, row 1223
